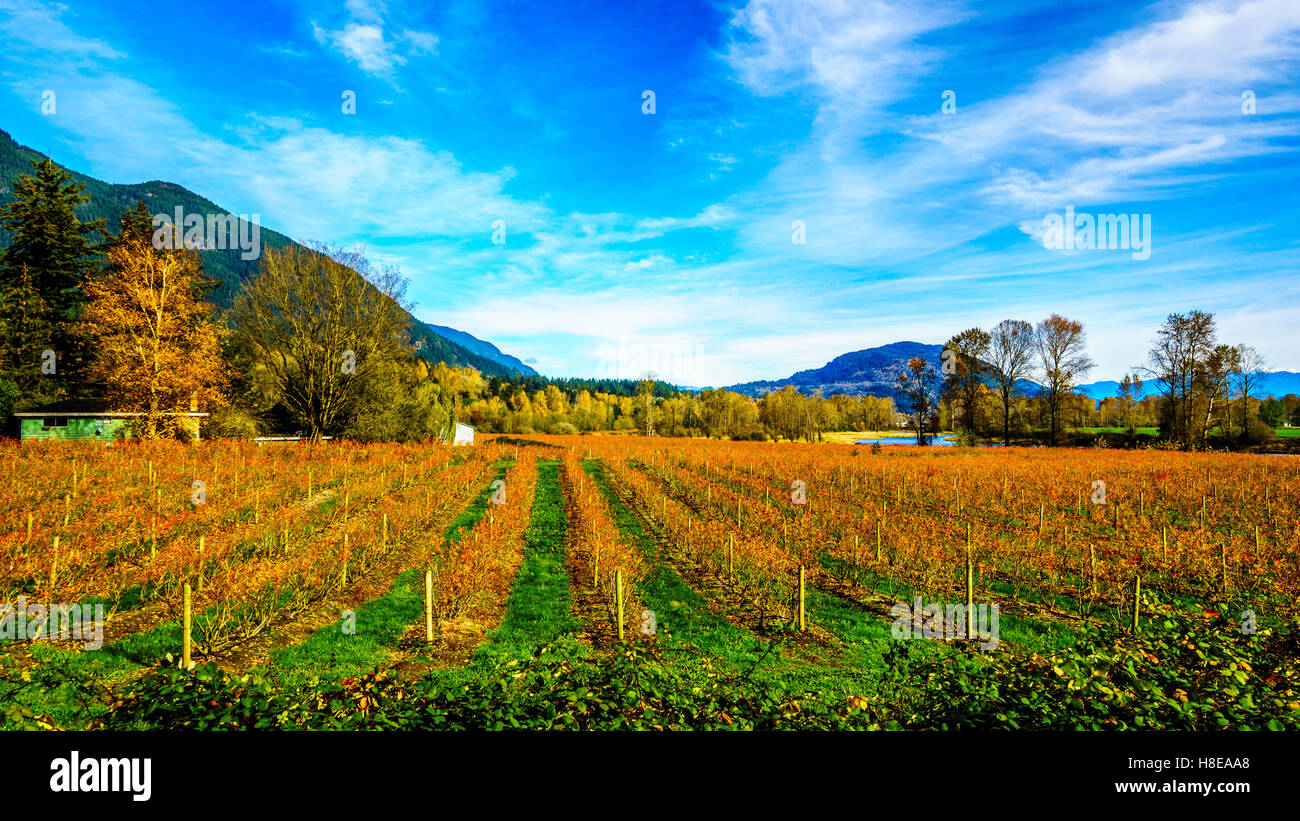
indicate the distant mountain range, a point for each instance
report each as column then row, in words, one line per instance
column 109, row 201
column 486, row 349
column 871, row 372
column 874, row 372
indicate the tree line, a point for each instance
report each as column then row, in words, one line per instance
column 1019, row 376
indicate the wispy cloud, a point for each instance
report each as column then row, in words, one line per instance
column 367, row 40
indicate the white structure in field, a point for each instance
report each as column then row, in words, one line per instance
column 464, row 435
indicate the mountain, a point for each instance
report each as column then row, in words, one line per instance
column 874, row 371
column 870, row 372
column 108, row 201
column 1108, row 388
column 486, row 349
column 1273, row 383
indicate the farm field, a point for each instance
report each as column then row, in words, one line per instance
column 588, row 582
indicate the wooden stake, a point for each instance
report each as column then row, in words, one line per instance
column 970, row 588
column 54, row 565
column 186, row 639
column 345, row 559
column 1092, row 569
column 428, row 606
column 1137, row 601
column 803, row 623
column 618, row 594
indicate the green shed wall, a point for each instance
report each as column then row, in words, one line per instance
column 79, row 428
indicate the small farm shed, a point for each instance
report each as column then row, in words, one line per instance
column 84, row 420
column 463, row 435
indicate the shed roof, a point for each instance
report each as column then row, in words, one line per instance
column 89, row 407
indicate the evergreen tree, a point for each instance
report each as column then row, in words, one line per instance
column 42, row 270
column 26, row 333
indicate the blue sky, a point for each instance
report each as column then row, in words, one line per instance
column 664, row 241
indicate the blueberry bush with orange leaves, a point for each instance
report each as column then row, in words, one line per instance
column 483, row 562
column 600, row 549
column 1059, row 531
column 269, row 532
column 1059, row 536
column 760, row 572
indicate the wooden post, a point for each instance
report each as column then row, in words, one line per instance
column 618, row 594
column 186, row 640
column 803, row 623
column 970, row 588
column 153, row 538
column 1137, row 601
column 730, row 538
column 201, row 545
column 1164, row 542
column 385, row 528
column 54, row 565
column 1092, row 569
column 428, row 606
column 877, row 540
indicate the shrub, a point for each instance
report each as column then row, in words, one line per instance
column 231, row 423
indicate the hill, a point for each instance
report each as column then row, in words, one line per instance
column 482, row 347
column 869, row 372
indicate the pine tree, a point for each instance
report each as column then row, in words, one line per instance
column 26, row 333
column 48, row 238
column 43, row 267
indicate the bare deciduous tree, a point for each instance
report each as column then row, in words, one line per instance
column 1062, row 362
column 1011, row 354
column 323, row 324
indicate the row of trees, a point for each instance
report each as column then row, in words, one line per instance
column 988, row 372
column 1005, row 380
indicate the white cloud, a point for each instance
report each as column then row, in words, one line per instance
column 29, row 24
column 364, row 40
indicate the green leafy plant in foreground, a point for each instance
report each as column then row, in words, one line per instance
column 1183, row 671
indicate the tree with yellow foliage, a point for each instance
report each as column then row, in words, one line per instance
column 154, row 339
